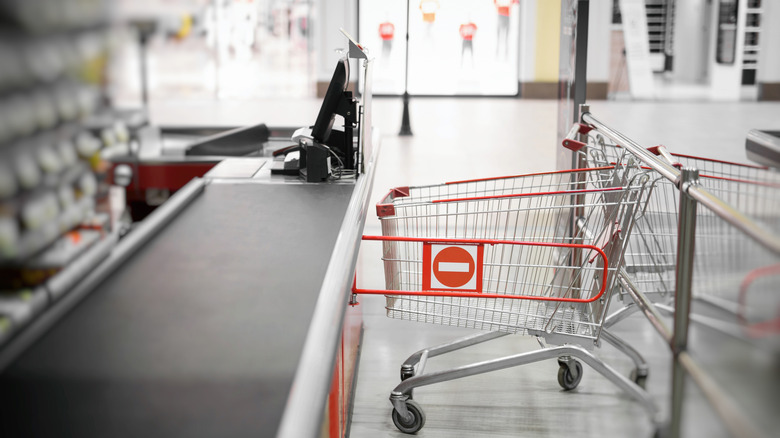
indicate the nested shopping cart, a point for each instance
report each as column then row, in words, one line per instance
column 534, row 254
column 731, row 273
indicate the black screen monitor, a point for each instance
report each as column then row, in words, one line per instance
column 330, row 104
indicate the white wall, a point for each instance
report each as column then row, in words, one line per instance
column 691, row 41
column 527, row 40
column 769, row 56
column 331, row 16
column 599, row 28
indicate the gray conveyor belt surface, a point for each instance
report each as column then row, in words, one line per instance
column 198, row 334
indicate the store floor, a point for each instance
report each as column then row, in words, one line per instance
column 458, row 139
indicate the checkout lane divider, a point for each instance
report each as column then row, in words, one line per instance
column 305, row 408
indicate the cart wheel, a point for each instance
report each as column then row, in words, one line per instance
column 639, row 380
column 565, row 378
column 405, row 374
column 412, row 425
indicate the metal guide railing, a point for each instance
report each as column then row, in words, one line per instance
column 749, row 227
column 690, row 195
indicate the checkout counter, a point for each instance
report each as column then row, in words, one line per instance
column 224, row 313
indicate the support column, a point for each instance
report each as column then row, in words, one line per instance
column 686, row 238
column 691, row 41
column 599, row 41
column 768, row 75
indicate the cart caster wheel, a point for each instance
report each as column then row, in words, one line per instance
column 405, row 374
column 641, row 381
column 566, row 380
column 410, row 425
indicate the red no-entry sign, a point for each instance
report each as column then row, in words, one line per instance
column 452, row 267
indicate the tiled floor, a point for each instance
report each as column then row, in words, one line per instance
column 465, row 138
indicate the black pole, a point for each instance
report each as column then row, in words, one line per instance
column 406, row 128
column 581, row 57
column 580, row 64
column 145, row 29
column 143, row 46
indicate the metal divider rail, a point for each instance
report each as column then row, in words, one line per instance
column 753, row 220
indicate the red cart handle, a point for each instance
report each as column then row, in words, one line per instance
column 569, row 141
column 429, row 293
column 385, row 207
column 662, row 152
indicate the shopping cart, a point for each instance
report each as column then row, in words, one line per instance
column 725, row 262
column 534, row 254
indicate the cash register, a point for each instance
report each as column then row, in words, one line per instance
column 322, row 151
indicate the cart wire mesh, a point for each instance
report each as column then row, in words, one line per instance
column 551, row 245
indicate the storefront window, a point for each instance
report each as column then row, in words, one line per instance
column 456, row 47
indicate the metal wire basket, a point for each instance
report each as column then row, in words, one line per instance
column 533, row 253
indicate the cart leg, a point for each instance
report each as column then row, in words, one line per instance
column 399, row 397
column 620, row 315
column 641, row 370
column 420, row 357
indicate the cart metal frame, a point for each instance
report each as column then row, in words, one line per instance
column 570, row 218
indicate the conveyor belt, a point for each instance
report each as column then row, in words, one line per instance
column 198, row 334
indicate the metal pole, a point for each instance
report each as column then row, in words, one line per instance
column 217, row 47
column 406, row 128
column 581, row 57
column 578, row 160
column 578, row 178
column 668, row 36
column 144, row 53
column 580, row 80
column 684, row 275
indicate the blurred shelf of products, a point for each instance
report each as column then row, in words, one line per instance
column 76, row 81
column 56, row 129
